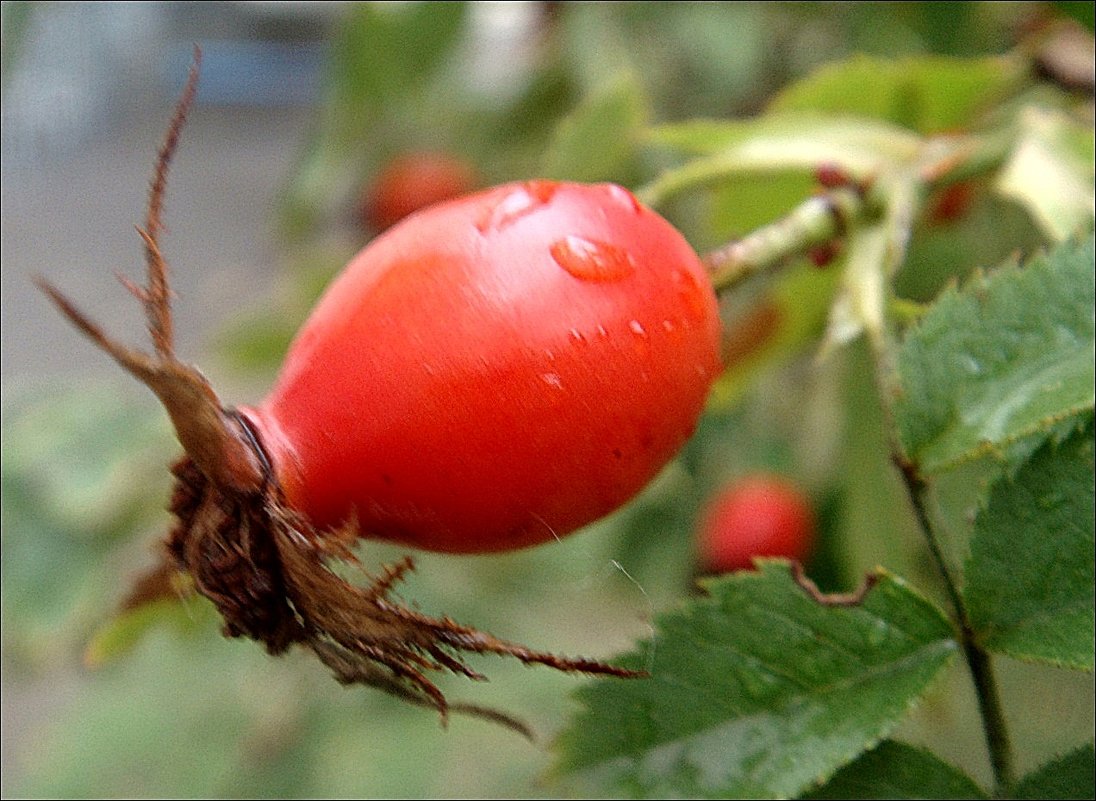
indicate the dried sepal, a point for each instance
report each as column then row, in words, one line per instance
column 209, row 435
column 269, row 574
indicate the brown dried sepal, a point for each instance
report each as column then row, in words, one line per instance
column 263, row 566
column 266, row 570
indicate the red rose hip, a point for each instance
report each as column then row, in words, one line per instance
column 496, row 371
column 759, row 515
column 411, row 182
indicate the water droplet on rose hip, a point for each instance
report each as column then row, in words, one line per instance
column 624, row 197
column 637, row 328
column 591, row 260
column 690, row 293
column 523, row 200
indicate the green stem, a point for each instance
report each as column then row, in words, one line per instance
column 993, row 718
column 888, row 381
column 815, row 222
column 978, row 659
column 827, row 216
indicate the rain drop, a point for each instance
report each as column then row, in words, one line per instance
column 690, row 293
column 592, row 260
column 524, row 200
column 625, row 198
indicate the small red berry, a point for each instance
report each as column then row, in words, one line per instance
column 824, row 255
column 832, row 176
column 950, row 204
column 760, row 515
column 411, row 182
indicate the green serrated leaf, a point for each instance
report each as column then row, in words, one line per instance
column 757, row 690
column 777, row 142
column 1004, row 358
column 596, row 140
column 1050, row 172
column 896, row 770
column 1030, row 574
column 1072, row 776
column 928, row 94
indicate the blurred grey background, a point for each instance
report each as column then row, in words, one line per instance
column 88, row 89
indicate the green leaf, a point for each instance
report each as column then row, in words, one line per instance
column 596, row 141
column 122, row 633
column 927, row 94
column 382, row 52
column 1005, row 358
column 1080, row 10
column 1030, row 574
column 1071, row 776
column 775, row 142
column 758, row 690
column 1050, row 172
column 258, row 341
column 897, row 770
column 84, row 473
column 751, row 201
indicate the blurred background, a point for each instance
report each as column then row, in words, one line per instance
column 300, row 106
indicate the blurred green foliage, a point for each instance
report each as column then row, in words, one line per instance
column 602, row 91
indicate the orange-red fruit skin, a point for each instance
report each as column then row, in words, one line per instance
column 411, row 182
column 759, row 515
column 496, row 371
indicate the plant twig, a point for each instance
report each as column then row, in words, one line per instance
column 883, row 347
column 978, row 660
column 817, row 221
